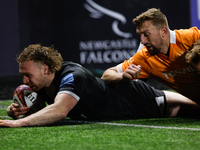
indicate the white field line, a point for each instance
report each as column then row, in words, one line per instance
column 127, row 125
column 135, row 125
column 5, row 117
column 147, row 126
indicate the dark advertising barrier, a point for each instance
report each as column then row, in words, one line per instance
column 95, row 33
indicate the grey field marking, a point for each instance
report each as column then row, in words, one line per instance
column 127, row 125
column 5, row 117
column 148, row 126
column 134, row 125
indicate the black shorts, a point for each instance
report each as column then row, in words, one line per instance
column 144, row 100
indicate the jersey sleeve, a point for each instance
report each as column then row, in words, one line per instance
column 137, row 59
column 72, row 84
column 188, row 36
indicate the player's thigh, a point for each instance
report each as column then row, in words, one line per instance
column 173, row 98
column 179, row 105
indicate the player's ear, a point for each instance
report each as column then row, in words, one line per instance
column 164, row 31
column 46, row 69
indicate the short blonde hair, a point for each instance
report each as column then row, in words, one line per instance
column 45, row 55
column 158, row 18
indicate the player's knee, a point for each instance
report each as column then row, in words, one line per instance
column 173, row 111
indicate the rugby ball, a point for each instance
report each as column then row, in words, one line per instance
column 25, row 97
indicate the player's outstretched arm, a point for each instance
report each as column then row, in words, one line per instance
column 48, row 115
column 113, row 77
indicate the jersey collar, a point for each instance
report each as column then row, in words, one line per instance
column 172, row 37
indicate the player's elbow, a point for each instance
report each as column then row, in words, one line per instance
column 104, row 75
column 109, row 73
column 63, row 115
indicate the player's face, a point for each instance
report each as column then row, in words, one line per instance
column 150, row 37
column 197, row 67
column 33, row 75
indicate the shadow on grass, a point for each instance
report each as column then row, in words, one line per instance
column 152, row 121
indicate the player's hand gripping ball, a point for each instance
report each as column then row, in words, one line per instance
column 25, row 97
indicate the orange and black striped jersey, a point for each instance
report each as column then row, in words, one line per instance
column 172, row 71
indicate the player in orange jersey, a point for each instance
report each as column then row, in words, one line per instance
column 161, row 56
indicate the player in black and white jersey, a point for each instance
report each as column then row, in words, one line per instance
column 97, row 101
column 73, row 91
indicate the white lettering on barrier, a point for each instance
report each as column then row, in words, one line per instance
column 106, row 51
column 108, row 45
column 108, row 56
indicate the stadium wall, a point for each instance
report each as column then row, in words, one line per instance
column 97, row 34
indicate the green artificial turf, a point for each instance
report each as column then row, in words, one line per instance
column 96, row 136
column 3, row 107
